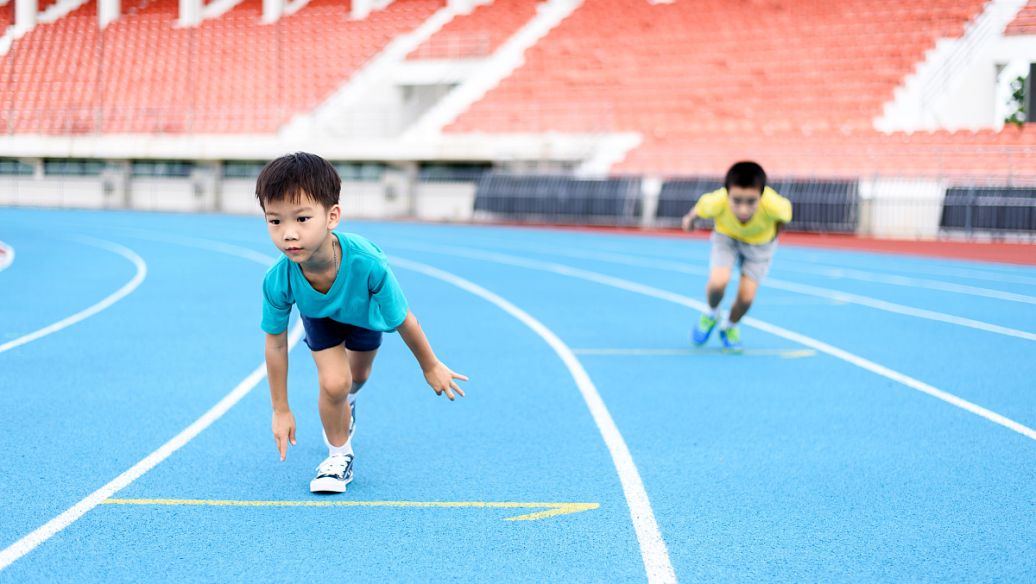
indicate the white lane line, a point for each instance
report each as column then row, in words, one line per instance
column 821, row 346
column 782, row 353
column 653, row 548
column 910, row 282
column 199, row 243
column 898, row 308
column 804, row 289
column 965, row 273
column 863, row 276
column 41, row 534
column 119, row 294
column 839, row 272
column 6, row 256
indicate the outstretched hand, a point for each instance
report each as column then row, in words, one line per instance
column 441, row 379
column 687, row 222
column 283, row 431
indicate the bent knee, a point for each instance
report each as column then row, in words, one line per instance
column 336, row 387
column 717, row 282
column 361, row 377
column 745, row 298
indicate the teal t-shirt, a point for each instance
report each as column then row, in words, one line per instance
column 365, row 292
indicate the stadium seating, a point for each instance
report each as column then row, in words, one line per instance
column 1025, row 22
column 794, row 84
column 143, row 74
column 479, row 33
column 6, row 16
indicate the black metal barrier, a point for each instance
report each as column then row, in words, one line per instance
column 989, row 209
column 559, row 199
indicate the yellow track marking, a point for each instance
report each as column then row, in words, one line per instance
column 551, row 509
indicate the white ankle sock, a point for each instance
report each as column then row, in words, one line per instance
column 346, row 448
column 714, row 312
column 726, row 323
column 355, row 389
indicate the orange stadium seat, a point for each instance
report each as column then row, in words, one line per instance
column 477, row 34
column 1025, row 22
column 229, row 75
column 6, row 16
column 794, row 83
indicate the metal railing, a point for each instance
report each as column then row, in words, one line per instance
column 992, row 210
column 455, row 45
column 558, row 199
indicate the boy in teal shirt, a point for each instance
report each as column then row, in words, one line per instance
column 347, row 297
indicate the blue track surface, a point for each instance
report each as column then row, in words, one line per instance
column 782, row 464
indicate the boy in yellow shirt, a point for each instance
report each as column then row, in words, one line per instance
column 748, row 216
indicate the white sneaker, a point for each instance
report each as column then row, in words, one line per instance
column 333, row 474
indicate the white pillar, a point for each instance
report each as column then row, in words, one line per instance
column 25, row 12
column 190, row 12
column 272, row 11
column 108, row 12
column 461, row 6
column 361, row 8
column 1029, row 96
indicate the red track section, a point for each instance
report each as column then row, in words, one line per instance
column 1002, row 252
column 999, row 252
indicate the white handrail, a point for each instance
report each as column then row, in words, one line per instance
column 986, row 26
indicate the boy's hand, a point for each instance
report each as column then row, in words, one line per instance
column 687, row 223
column 283, row 431
column 441, row 378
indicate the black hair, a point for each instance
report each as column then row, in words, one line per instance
column 291, row 175
column 746, row 174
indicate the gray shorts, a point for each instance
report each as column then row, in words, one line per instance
column 754, row 260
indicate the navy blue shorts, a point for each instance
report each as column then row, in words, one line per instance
column 324, row 333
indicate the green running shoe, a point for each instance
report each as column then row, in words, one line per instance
column 701, row 332
column 731, row 338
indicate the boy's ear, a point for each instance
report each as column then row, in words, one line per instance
column 334, row 216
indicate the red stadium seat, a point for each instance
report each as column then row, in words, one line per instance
column 477, row 34
column 229, row 75
column 1025, row 22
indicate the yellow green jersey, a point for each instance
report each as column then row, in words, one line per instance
column 761, row 228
